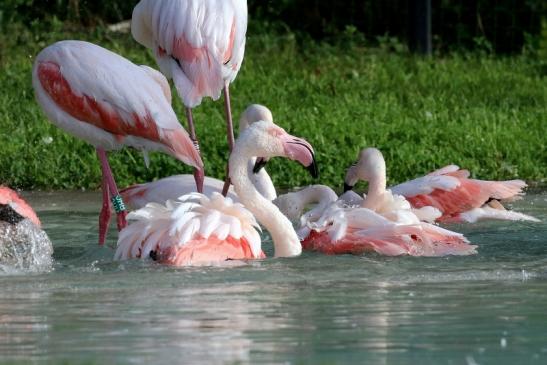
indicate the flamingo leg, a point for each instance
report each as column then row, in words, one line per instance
column 104, row 216
column 115, row 196
column 199, row 175
column 229, row 133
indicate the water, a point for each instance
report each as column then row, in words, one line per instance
column 484, row 309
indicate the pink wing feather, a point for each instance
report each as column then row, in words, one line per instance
column 194, row 230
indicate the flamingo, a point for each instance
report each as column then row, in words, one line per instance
column 199, row 44
column 201, row 230
column 450, row 190
column 382, row 222
column 171, row 187
column 23, row 244
column 106, row 100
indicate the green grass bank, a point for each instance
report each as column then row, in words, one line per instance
column 485, row 113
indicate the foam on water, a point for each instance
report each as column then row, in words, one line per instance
column 24, row 248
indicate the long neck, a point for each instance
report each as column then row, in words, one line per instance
column 316, row 194
column 376, row 188
column 285, row 240
column 261, row 180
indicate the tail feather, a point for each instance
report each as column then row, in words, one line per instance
column 506, row 190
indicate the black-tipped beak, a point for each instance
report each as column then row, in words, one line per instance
column 347, row 187
column 313, row 169
column 259, row 164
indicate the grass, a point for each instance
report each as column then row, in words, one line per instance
column 485, row 113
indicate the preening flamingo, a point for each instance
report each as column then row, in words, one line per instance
column 199, row 44
column 383, row 222
column 198, row 230
column 106, row 100
column 453, row 193
column 172, row 187
column 23, row 244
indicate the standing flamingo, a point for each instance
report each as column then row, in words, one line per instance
column 450, row 190
column 170, row 188
column 383, row 222
column 200, row 230
column 199, row 44
column 106, row 100
column 23, row 244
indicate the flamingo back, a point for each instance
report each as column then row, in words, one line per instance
column 198, row 43
column 193, row 230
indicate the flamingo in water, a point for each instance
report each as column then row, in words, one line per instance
column 452, row 192
column 171, row 187
column 199, row 44
column 201, row 230
column 23, row 244
column 106, row 100
column 380, row 222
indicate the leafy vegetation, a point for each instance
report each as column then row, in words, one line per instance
column 486, row 113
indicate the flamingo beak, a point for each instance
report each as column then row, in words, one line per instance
column 351, row 178
column 347, row 187
column 300, row 150
column 259, row 164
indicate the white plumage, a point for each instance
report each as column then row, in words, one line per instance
column 198, row 43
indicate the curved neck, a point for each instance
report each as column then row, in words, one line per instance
column 376, row 187
column 285, row 240
column 315, row 194
column 261, row 180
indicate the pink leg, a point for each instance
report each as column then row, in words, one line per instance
column 104, row 216
column 199, row 175
column 114, row 194
column 229, row 133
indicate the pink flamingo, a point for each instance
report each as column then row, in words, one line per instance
column 201, row 230
column 109, row 102
column 172, row 187
column 199, row 44
column 450, row 190
column 382, row 222
column 13, row 209
column 23, row 244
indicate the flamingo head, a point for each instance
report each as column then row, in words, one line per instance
column 254, row 113
column 267, row 140
column 370, row 164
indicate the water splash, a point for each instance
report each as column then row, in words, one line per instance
column 24, row 248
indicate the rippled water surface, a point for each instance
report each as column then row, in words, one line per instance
column 486, row 309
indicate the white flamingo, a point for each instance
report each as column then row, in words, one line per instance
column 106, row 100
column 452, row 192
column 199, row 44
column 200, row 230
column 382, row 222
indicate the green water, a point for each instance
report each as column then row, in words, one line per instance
column 486, row 309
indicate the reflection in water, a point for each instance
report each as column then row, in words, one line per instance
column 314, row 309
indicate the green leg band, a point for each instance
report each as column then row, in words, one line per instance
column 118, row 204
